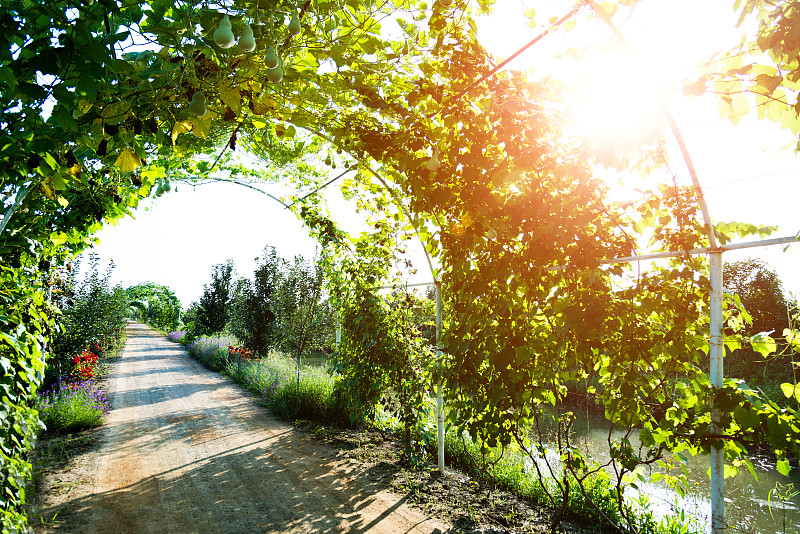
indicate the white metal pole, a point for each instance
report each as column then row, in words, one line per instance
column 439, row 395
column 715, row 353
column 338, row 338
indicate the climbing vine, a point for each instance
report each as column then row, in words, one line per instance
column 103, row 104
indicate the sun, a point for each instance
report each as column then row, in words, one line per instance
column 611, row 97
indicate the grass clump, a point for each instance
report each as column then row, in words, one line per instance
column 275, row 379
column 76, row 406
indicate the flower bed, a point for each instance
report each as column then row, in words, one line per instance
column 76, row 406
column 176, row 336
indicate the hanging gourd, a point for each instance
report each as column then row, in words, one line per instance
column 223, row 35
column 433, row 163
column 198, row 104
column 271, row 59
column 294, row 24
column 159, row 190
column 247, row 42
column 166, row 187
column 275, row 75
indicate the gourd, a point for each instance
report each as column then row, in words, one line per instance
column 271, row 59
column 247, row 42
column 275, row 75
column 491, row 233
column 166, row 187
column 198, row 104
column 433, row 163
column 294, row 24
column 223, row 35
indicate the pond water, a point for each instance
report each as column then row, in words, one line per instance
column 749, row 506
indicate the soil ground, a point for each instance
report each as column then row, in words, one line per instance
column 186, row 450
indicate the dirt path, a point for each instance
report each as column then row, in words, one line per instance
column 185, row 450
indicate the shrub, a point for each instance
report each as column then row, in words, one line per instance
column 176, row 336
column 76, row 406
column 93, row 313
column 212, row 351
column 84, row 363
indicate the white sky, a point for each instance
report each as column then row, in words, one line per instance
column 176, row 239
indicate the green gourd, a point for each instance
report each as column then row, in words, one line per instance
column 433, row 163
column 223, row 35
column 247, row 42
column 198, row 104
column 271, row 59
column 275, row 75
column 294, row 24
column 166, row 187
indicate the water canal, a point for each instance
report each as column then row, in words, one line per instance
column 751, row 506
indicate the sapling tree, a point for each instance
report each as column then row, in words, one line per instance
column 299, row 320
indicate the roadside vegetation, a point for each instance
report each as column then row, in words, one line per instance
column 74, row 398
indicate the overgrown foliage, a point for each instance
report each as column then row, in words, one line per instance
column 92, row 314
column 155, row 305
column 95, row 115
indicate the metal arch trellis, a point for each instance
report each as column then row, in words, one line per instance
column 714, row 252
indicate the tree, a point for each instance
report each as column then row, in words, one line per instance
column 300, row 322
column 761, row 292
column 766, row 310
column 212, row 315
column 253, row 307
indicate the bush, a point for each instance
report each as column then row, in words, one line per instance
column 212, row 351
column 76, row 406
column 177, row 336
column 93, row 317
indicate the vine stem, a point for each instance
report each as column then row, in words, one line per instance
column 391, row 191
column 10, row 212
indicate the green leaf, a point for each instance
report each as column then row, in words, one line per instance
column 764, row 344
column 747, row 417
column 791, row 390
column 128, row 161
column 783, row 467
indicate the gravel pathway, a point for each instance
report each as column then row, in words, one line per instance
column 185, row 450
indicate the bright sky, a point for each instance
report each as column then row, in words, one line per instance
column 176, row 239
